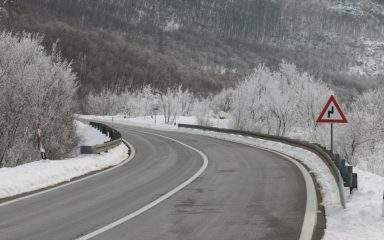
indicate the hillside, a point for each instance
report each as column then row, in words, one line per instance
column 207, row 44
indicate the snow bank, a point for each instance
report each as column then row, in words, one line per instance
column 363, row 218
column 41, row 174
column 89, row 136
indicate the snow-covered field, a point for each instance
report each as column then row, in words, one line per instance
column 364, row 216
column 362, row 219
column 44, row 173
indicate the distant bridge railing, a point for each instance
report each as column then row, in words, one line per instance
column 342, row 174
column 115, row 141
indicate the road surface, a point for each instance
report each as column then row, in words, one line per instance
column 244, row 193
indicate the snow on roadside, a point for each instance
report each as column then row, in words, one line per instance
column 149, row 121
column 364, row 216
column 44, row 173
column 89, row 136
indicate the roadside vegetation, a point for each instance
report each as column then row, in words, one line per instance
column 36, row 87
column 285, row 102
column 204, row 45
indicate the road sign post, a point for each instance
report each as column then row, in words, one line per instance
column 332, row 137
column 155, row 109
column 332, row 113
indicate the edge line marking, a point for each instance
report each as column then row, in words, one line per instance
column 310, row 216
column 155, row 202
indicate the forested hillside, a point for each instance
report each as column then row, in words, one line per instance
column 207, row 45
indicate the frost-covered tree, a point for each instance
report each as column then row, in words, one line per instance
column 365, row 130
column 203, row 112
column 283, row 102
column 175, row 102
column 35, row 86
column 222, row 102
column 275, row 102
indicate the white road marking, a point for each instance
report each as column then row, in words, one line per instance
column 310, row 217
column 130, row 157
column 157, row 201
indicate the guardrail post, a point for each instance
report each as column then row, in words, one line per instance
column 337, row 160
column 349, row 176
column 354, row 182
column 343, row 169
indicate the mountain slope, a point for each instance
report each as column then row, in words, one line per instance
column 204, row 44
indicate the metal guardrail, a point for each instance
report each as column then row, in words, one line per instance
column 342, row 174
column 115, row 136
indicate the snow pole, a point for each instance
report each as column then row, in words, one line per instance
column 40, row 142
column 382, row 207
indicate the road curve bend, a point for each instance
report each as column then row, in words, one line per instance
column 243, row 193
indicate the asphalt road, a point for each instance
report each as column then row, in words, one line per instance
column 245, row 193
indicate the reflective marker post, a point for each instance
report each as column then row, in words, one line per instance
column 40, row 142
column 155, row 116
column 383, row 206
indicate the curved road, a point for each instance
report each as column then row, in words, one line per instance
column 245, row 193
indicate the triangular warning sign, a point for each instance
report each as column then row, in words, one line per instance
column 332, row 113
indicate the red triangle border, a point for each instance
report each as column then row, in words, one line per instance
column 331, row 100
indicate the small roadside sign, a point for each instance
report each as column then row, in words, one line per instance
column 155, row 107
column 332, row 113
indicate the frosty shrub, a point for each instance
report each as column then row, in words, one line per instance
column 34, row 86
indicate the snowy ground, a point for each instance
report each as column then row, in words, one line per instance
column 89, row 136
column 40, row 174
column 364, row 216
